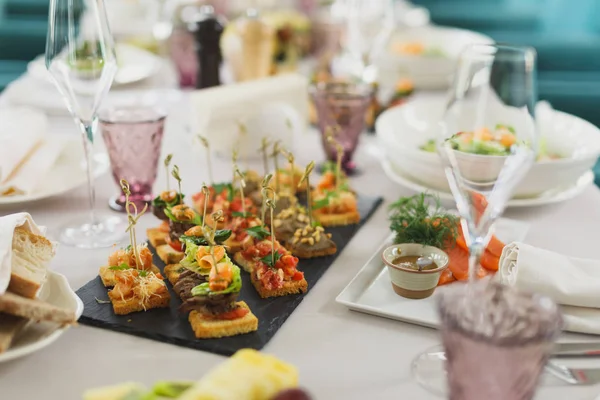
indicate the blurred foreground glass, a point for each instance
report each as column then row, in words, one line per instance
column 341, row 109
column 495, row 348
column 367, row 26
column 487, row 143
column 133, row 138
column 80, row 56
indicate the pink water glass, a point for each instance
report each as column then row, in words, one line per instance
column 183, row 54
column 341, row 109
column 497, row 341
column 133, row 138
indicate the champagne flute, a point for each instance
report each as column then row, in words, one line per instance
column 487, row 143
column 81, row 59
column 368, row 25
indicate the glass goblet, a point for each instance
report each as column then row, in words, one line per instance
column 341, row 110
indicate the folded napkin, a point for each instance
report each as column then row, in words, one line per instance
column 28, row 91
column 7, row 230
column 574, row 283
column 263, row 105
column 26, row 152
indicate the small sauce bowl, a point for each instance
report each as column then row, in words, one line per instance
column 410, row 283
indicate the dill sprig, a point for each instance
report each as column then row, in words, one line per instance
column 421, row 219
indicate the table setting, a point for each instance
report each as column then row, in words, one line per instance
column 401, row 218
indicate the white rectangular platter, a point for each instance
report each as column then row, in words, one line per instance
column 371, row 290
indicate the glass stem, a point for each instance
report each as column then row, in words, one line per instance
column 476, row 249
column 88, row 129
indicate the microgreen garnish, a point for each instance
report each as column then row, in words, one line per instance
column 264, row 145
column 275, row 155
column 271, row 259
column 206, row 145
column 306, row 177
column 265, row 188
column 206, row 200
column 133, row 219
column 175, row 173
column 236, row 171
column 340, row 155
column 221, row 235
column 167, row 161
column 143, row 273
column 258, row 232
column 121, row 267
column 421, row 219
column 271, row 204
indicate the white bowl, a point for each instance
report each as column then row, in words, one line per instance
column 402, row 130
column 410, row 283
column 426, row 72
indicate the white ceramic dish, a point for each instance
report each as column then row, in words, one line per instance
column 36, row 336
column 557, row 195
column 402, row 130
column 427, row 72
column 135, row 65
column 67, row 173
column 370, row 290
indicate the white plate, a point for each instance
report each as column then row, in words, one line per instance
column 36, row 336
column 553, row 196
column 134, row 64
column 67, row 173
column 371, row 291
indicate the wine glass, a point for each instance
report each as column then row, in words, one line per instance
column 81, row 59
column 487, row 143
column 367, row 27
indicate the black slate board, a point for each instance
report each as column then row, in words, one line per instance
column 170, row 326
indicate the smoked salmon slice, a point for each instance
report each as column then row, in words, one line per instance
column 494, row 247
column 459, row 264
column 446, row 277
column 489, row 261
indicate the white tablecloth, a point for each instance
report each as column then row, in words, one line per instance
column 340, row 354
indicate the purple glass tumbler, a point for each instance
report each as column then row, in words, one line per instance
column 497, row 341
column 133, row 138
column 341, row 108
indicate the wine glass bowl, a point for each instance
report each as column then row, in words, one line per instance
column 341, row 108
column 81, row 60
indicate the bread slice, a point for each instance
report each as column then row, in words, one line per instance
column 210, row 328
column 108, row 275
column 31, row 255
column 289, row 287
column 34, row 309
column 172, row 272
column 242, row 262
column 134, row 304
column 157, row 237
column 303, row 252
column 168, row 254
column 10, row 326
column 349, row 218
column 233, row 246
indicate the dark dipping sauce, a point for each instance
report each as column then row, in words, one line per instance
column 410, row 262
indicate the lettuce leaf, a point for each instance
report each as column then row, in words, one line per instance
column 235, row 286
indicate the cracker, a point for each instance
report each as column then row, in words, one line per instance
column 209, row 328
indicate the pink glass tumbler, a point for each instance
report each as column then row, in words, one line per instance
column 133, row 138
column 341, row 109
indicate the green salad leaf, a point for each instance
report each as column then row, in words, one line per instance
column 258, row 232
column 197, row 220
column 270, row 260
column 189, row 260
column 221, row 236
column 235, row 286
column 220, row 187
column 157, row 201
column 121, row 267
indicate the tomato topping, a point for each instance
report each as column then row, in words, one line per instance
column 236, row 313
column 298, row 276
column 175, row 244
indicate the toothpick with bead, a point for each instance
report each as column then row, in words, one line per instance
column 242, row 144
column 290, row 158
column 234, row 159
column 306, row 177
column 206, row 145
column 166, row 163
column 237, row 171
column 132, row 219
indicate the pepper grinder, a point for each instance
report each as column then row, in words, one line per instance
column 207, row 34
